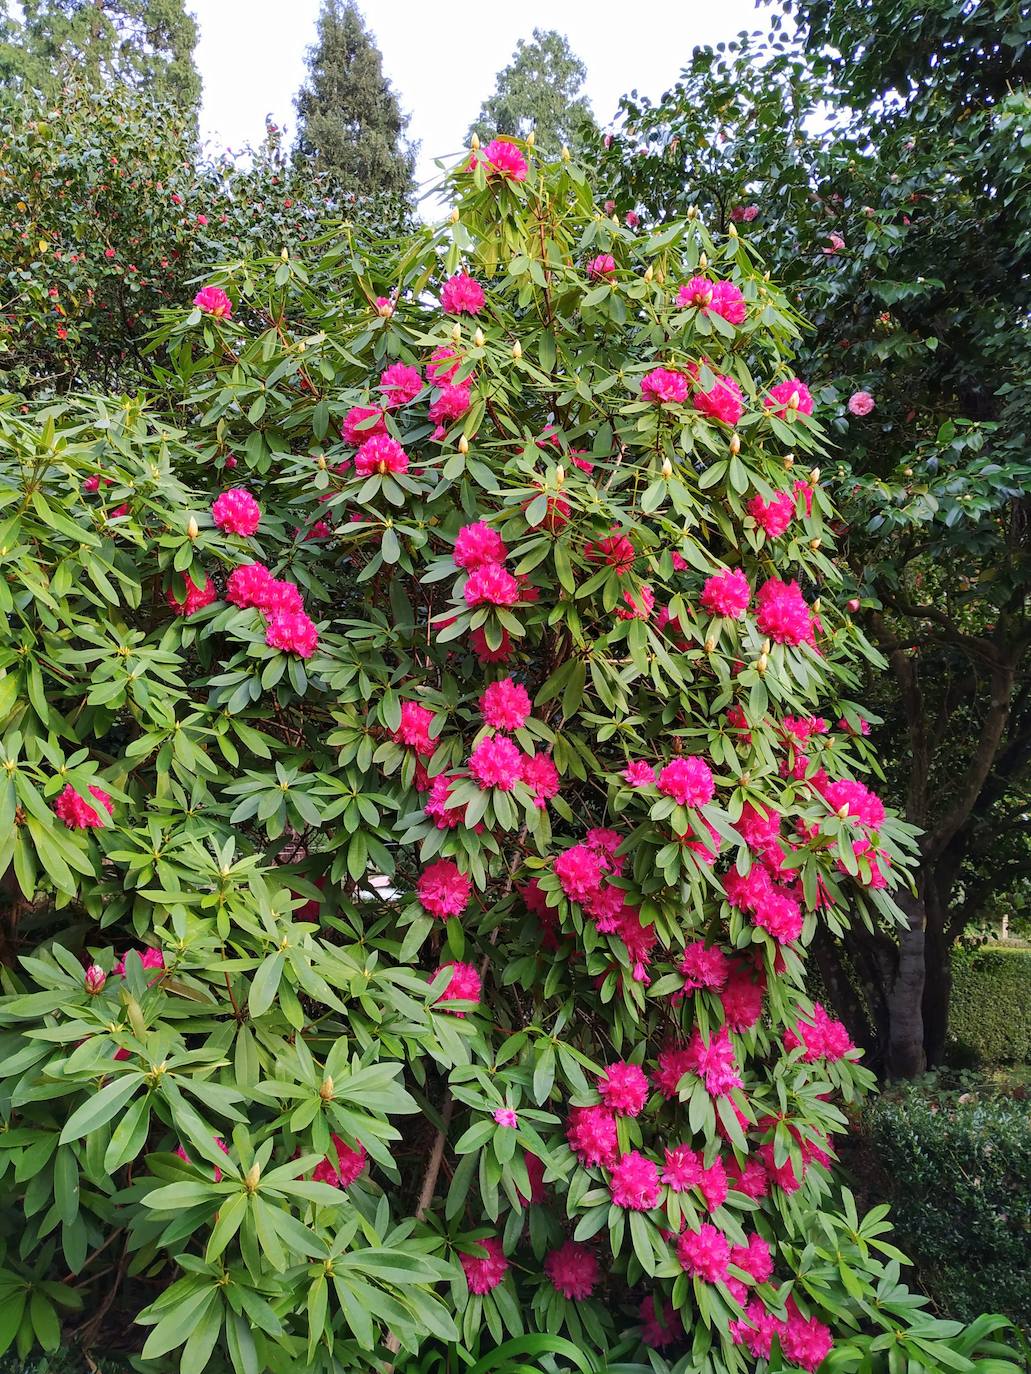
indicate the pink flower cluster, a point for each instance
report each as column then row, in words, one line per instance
column 287, row 627
column 484, row 1272
column 481, row 551
column 505, row 160
column 685, row 1169
column 723, row 401
column 591, row 1133
column 214, row 301
column 604, row 265
column 771, row 906
column 727, row 593
column 789, row 398
column 662, row 1328
column 718, row 297
column 573, row 1270
column 805, row 1342
column 624, row 1088
column 443, row 889
column 688, row 780
column 773, row 516
column 783, row 613
column 634, row 1182
column 378, row 455
column 664, row 386
column 462, row 295
column 361, row 423
column 711, row 1059
column 505, row 705
column 465, row 984
column 581, row 871
column 400, row 384
column 341, row 1172
column 196, row 598
column 76, row 813
column 236, row 512
column 823, row 1037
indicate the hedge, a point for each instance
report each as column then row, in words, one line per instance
column 990, row 1010
column 959, row 1170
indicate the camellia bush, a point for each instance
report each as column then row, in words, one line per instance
column 428, row 752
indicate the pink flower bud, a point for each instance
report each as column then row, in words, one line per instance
column 853, row 604
column 95, row 979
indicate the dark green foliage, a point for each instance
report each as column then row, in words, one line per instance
column 959, row 1167
column 113, row 171
column 990, row 1015
column 882, row 154
column 350, row 120
column 142, row 44
column 539, row 92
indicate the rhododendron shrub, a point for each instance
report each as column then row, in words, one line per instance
column 418, row 956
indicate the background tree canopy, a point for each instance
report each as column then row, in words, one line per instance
column 350, row 122
column 539, row 92
column 144, row 44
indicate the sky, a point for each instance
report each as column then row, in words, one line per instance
column 442, row 60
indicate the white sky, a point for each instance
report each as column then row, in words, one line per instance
column 442, row 59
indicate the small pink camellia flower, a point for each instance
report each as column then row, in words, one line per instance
column 633, row 219
column 214, row 301
column 95, row 978
column 835, row 243
column 505, row 1116
column 91, row 484
column 860, row 403
column 202, row 219
column 464, row 985
column 400, row 384
column 853, row 604
column 236, row 512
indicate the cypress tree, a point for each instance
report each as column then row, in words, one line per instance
column 539, row 90
column 350, row 120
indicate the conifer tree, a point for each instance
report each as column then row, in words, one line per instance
column 143, row 44
column 539, row 92
column 350, row 120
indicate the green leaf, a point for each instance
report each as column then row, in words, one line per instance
column 101, row 1107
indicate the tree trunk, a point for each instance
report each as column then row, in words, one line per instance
column 906, row 1054
column 937, row 976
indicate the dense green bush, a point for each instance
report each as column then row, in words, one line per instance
column 990, row 1012
column 108, row 213
column 326, row 1004
column 960, row 1169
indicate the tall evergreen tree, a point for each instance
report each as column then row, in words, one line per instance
column 540, row 91
column 143, row 44
column 350, row 120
